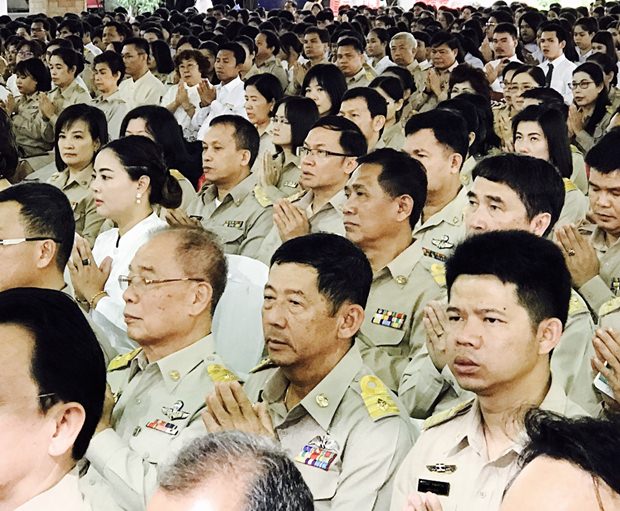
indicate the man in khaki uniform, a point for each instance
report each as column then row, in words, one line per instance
column 503, row 186
column 366, row 108
column 227, row 206
column 155, row 398
column 328, row 157
column 467, row 456
column 267, row 47
column 350, row 59
column 316, row 46
column 403, row 48
column 594, row 262
column 333, row 416
column 386, row 195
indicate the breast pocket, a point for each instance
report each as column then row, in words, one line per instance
column 322, row 483
column 151, row 439
column 386, row 327
column 231, row 237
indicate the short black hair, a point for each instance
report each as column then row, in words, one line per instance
column 75, row 26
column 271, row 40
column 344, row 273
column 267, row 85
column 374, row 101
column 67, row 362
column 551, row 26
column 245, row 134
column 440, row 38
column 44, row 211
column 301, row 113
column 589, row 443
column 506, row 28
column 533, row 264
column 537, row 183
column 351, row 41
column 589, row 24
column 352, row 140
column 400, row 175
column 236, row 49
column 139, row 43
column 37, row 70
column 604, row 157
column 549, row 97
column 405, row 77
column 449, row 128
column 321, row 32
column 113, row 60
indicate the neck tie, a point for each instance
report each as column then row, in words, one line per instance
column 549, row 75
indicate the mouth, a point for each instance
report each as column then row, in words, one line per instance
column 463, row 365
column 349, row 225
column 275, row 344
column 130, row 319
column 69, row 155
column 98, row 202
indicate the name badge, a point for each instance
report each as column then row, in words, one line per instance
column 235, row 224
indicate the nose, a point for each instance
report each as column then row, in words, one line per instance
column 129, row 295
column 465, row 333
column 273, row 316
column 475, row 221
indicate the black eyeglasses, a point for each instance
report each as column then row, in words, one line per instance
column 17, row 241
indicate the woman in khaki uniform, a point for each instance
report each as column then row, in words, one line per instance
column 279, row 174
column 30, row 129
column 390, row 88
column 80, row 131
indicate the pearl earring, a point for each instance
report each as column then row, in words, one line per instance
column 138, row 197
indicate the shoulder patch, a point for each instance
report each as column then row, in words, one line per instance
column 261, row 196
column 610, row 306
column 445, row 416
column 177, row 175
column 576, row 305
column 569, row 186
column 266, row 363
column 377, row 398
column 574, row 149
column 122, row 361
column 296, row 196
column 438, row 271
column 218, row 372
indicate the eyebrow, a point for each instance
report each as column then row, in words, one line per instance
column 452, row 308
column 269, row 287
column 494, row 198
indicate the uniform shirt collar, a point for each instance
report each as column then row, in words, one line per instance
column 232, row 84
column 404, row 263
column 451, row 213
column 268, row 62
column 82, row 178
column 237, row 194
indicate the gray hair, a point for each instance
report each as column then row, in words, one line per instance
column 266, row 476
column 407, row 36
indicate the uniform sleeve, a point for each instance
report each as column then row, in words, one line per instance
column 132, row 478
column 596, row 293
column 368, row 473
column 33, row 126
column 255, row 235
column 115, row 119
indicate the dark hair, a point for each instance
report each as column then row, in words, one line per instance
column 93, row 118
column 236, row 49
column 486, row 140
column 607, row 39
column 440, row 38
column 343, row 271
column 352, row 140
column 553, row 125
column 301, row 113
column 351, row 41
column 77, row 43
column 140, row 156
column 391, row 86
column 534, row 71
column 400, row 175
column 548, row 97
column 602, row 100
column 193, row 41
column 195, row 55
column 533, row 264
column 321, row 32
column 506, row 28
column 245, row 134
column 141, row 44
column 267, row 85
column 268, row 478
column 120, row 28
column 114, row 61
column 36, row 47
column 374, row 101
column 67, row 363
column 608, row 65
column 290, row 40
column 405, row 77
column 165, row 130
column 537, row 183
column 271, row 40
column 604, row 157
column 71, row 58
column 466, row 73
column 44, row 211
column 382, row 35
column 331, row 79
column 449, row 128
column 590, row 25
column 550, row 26
column 160, row 51
column 585, row 442
column 37, row 70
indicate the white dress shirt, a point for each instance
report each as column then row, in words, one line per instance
column 93, row 49
column 561, row 77
column 498, row 84
column 229, row 99
column 146, row 90
column 184, row 120
column 474, row 61
column 382, row 65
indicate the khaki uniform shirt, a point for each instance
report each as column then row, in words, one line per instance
column 394, row 137
column 33, row 134
column 362, row 78
column 157, row 412
column 240, row 222
column 452, row 449
column 72, row 95
column 502, row 124
column 606, row 285
column 77, row 189
column 294, row 86
column 425, row 100
column 576, row 205
column 272, row 66
column 115, row 108
column 579, row 176
column 584, row 141
column 347, row 437
column 392, row 331
column 280, row 175
column 327, row 219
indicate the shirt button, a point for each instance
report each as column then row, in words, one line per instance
column 483, row 495
column 401, row 279
column 138, row 401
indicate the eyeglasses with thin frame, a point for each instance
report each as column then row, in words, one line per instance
column 17, row 241
column 304, row 151
column 140, row 283
column 583, row 84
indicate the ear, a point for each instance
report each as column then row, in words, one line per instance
column 405, row 207
column 245, row 157
column 350, row 164
column 203, row 297
column 472, row 137
column 398, row 105
column 540, row 223
column 378, row 122
column 68, row 419
column 46, row 256
column 96, row 145
column 350, row 320
column 456, row 161
column 143, row 184
column 562, row 44
column 548, row 335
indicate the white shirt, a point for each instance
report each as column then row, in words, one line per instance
column 383, row 64
column 229, row 99
column 146, row 90
column 121, row 250
column 11, row 84
column 583, row 56
column 498, row 84
column 561, row 77
column 473, row 61
column 184, row 120
column 93, row 49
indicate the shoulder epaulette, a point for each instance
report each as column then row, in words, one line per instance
column 122, row 361
column 445, row 416
column 569, row 186
column 576, row 304
column 609, row 306
column 574, row 149
column 266, row 363
column 218, row 372
column 377, row 398
column 177, row 175
column 296, row 196
column 438, row 271
column 261, row 196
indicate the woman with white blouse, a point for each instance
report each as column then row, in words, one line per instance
column 130, row 178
